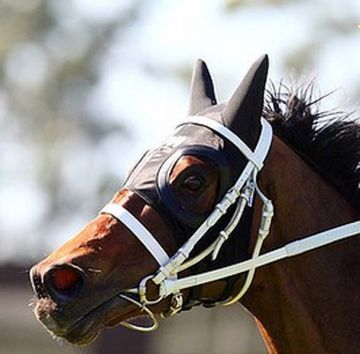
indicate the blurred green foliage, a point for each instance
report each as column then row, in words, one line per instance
column 49, row 65
column 51, row 61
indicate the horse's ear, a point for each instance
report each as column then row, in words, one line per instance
column 243, row 112
column 202, row 88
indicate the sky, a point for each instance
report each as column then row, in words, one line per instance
column 172, row 33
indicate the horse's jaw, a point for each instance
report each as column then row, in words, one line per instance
column 82, row 329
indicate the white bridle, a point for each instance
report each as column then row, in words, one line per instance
column 242, row 194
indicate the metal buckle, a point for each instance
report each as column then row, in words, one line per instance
column 142, row 292
column 177, row 302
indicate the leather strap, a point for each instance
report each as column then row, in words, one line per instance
column 292, row 249
column 257, row 157
column 139, row 230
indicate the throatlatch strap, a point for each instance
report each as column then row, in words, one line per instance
column 139, row 230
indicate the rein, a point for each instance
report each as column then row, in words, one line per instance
column 242, row 193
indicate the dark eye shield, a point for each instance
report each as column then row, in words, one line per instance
column 149, row 179
column 167, row 193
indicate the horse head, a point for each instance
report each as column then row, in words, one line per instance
column 171, row 191
column 180, row 231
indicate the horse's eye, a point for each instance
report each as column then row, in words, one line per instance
column 193, row 184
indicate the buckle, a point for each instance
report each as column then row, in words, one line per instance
column 176, row 306
column 142, row 292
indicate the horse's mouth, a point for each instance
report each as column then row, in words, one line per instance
column 85, row 329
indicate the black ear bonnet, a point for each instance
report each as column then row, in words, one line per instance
column 150, row 177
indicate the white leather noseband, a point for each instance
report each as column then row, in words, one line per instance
column 138, row 230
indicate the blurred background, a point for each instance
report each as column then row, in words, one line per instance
column 86, row 86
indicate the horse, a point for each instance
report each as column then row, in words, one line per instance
column 246, row 202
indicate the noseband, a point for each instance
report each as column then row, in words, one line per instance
column 241, row 194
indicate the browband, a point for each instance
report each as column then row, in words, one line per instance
column 257, row 158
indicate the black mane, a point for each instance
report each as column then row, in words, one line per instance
column 328, row 141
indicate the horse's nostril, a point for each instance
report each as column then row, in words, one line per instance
column 64, row 280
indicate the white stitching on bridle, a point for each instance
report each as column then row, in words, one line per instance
column 241, row 193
